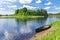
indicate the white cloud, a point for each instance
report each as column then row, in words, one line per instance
column 2, row 9
column 46, row 8
column 7, row 1
column 49, row 3
column 6, row 12
column 57, row 7
column 13, row 6
column 38, row 1
column 29, row 7
column 11, row 0
column 4, row 4
column 25, row 1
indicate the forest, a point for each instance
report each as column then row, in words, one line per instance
column 28, row 12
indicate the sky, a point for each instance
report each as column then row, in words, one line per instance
column 9, row 6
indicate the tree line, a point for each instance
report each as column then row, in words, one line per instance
column 28, row 12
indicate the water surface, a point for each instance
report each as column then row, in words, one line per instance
column 16, row 29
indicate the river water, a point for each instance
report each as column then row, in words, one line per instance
column 16, row 29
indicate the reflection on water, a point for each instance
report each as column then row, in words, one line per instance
column 15, row 29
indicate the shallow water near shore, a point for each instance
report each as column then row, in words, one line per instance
column 16, row 29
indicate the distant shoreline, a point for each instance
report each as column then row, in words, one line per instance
column 21, row 16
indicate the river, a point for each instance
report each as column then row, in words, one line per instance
column 16, row 29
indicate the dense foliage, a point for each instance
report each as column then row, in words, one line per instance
column 26, row 12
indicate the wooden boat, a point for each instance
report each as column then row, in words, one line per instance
column 43, row 28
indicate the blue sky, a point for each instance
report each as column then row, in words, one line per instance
column 9, row 6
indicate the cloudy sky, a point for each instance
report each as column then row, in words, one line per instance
column 9, row 6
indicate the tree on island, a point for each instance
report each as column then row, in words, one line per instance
column 29, row 12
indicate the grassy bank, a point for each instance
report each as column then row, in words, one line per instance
column 55, row 34
column 22, row 17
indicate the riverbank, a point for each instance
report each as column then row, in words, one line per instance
column 22, row 17
column 51, row 34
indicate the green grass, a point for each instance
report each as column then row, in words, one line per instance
column 56, row 33
column 22, row 17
